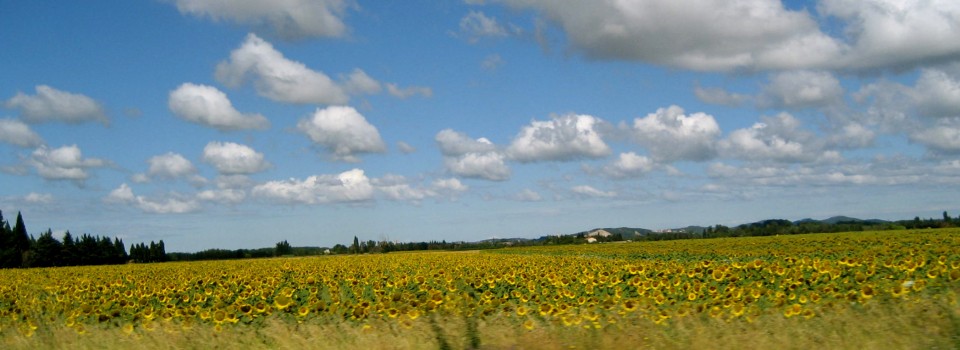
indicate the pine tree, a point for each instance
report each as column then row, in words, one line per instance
column 21, row 242
column 6, row 244
column 69, row 250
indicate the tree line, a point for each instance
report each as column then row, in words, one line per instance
column 18, row 249
column 785, row 227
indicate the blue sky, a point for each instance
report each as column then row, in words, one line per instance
column 209, row 123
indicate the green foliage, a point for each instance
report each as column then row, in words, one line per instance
column 283, row 248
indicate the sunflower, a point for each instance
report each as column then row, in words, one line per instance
column 303, row 311
column 282, row 302
column 219, row 316
column 630, row 305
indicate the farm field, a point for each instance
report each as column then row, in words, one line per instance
column 889, row 289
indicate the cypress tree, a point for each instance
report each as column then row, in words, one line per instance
column 21, row 242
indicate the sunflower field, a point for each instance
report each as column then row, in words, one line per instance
column 656, row 294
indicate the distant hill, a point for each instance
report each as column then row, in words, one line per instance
column 625, row 232
column 838, row 219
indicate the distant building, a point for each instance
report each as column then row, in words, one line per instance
column 591, row 240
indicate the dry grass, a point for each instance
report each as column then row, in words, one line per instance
column 909, row 325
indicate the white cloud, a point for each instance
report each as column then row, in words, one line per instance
column 562, row 138
column 476, row 25
column 64, row 163
column 287, row 18
column 223, row 196
column 208, row 106
column 343, row 132
column 487, row 166
column 896, row 33
column 852, row 135
column 50, row 105
column 778, row 139
column 235, row 181
column 590, row 192
column 276, row 77
column 169, row 166
column 349, row 186
column 38, row 198
column 450, row 186
column 719, row 96
column 629, row 165
column 122, row 194
column 409, row 91
column 943, row 137
column 528, row 195
column 453, row 143
column 669, row 135
column 283, row 80
column 699, row 35
column 233, row 159
column 471, row 158
column 173, row 204
column 709, row 35
column 399, row 188
column 801, row 89
column 17, row 133
column 937, row 93
column 405, row 148
column 358, row 82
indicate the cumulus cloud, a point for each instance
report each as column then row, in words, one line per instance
column 629, row 165
column 881, row 171
column 453, row 143
column 38, row 198
column 476, row 25
column 894, row 33
column 206, row 105
column 17, row 133
column 276, row 77
column 487, row 166
column 234, row 159
column 173, row 204
column 670, row 135
column 927, row 111
column 349, row 186
column 283, row 80
column 801, row 89
column 586, row 191
column 405, row 148
column 466, row 157
column 288, row 18
column 942, row 137
column 700, row 35
column 528, row 195
column 720, row 96
column 937, row 93
column 52, row 105
column 168, row 166
column 358, row 82
column 451, row 186
column 709, row 35
column 410, row 91
column 399, row 188
column 223, row 196
column 563, row 138
column 64, row 163
column 343, row 132
column 779, row 139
